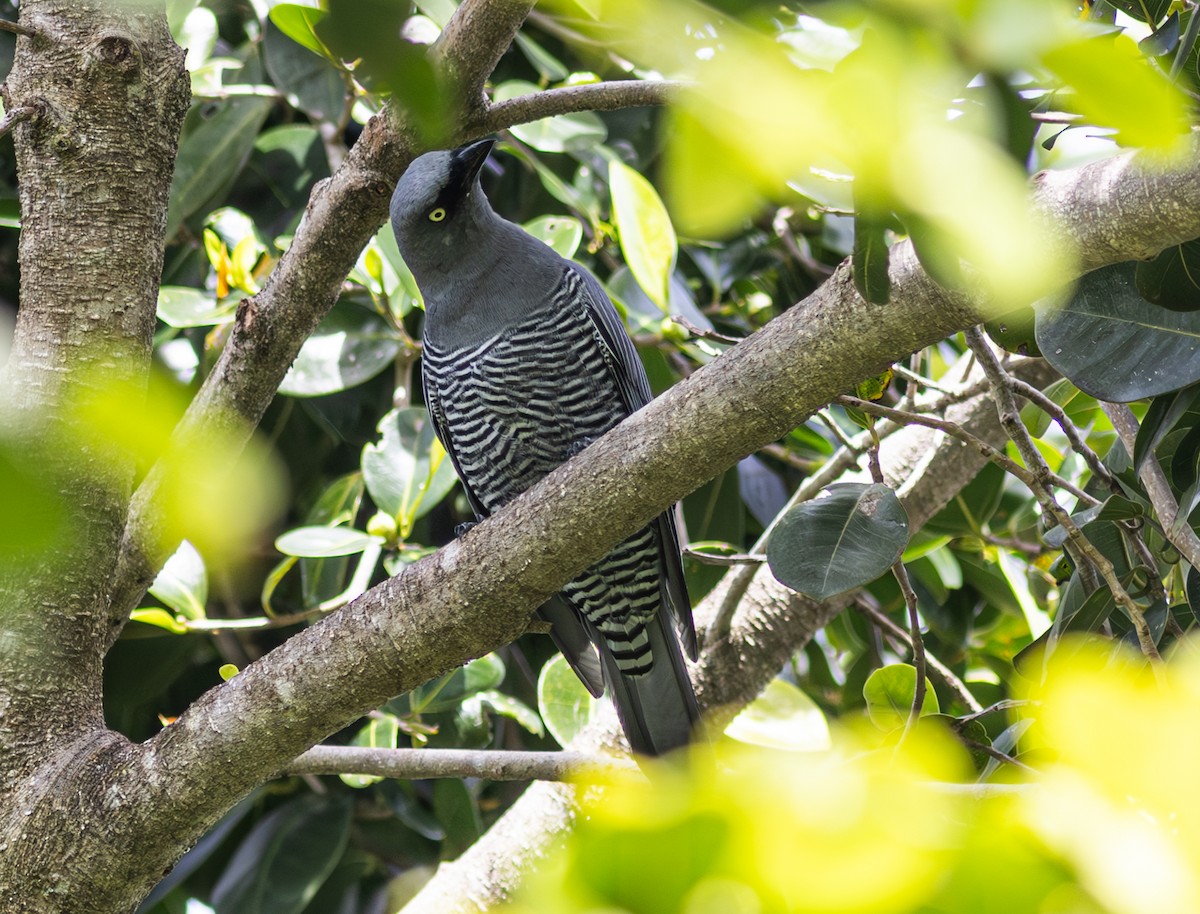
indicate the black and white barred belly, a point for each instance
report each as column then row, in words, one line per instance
column 518, row 405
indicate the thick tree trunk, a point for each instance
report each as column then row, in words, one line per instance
column 107, row 92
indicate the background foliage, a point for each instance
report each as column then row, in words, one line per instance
column 810, row 132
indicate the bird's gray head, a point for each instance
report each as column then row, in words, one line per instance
column 437, row 205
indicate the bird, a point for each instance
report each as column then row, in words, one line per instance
column 526, row 361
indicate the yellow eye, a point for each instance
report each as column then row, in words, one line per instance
column 437, row 215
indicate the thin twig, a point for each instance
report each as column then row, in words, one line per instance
column 995, row 753
column 1059, row 415
column 16, row 116
column 1157, row 488
column 17, row 29
column 491, row 765
column 868, row 608
column 602, row 96
column 704, row 333
column 712, row 558
column 1010, row 419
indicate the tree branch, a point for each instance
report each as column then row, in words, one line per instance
column 605, row 96
column 496, row 765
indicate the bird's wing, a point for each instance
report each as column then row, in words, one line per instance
column 434, row 405
column 631, row 379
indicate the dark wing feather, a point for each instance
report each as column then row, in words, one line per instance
column 631, row 379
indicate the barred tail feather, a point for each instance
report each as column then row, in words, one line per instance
column 658, row 708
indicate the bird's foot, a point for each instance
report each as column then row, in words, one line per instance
column 577, row 446
column 464, row 527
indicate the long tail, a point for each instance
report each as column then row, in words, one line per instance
column 658, row 708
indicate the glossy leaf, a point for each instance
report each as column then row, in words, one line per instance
column 350, row 346
column 180, row 306
column 183, row 582
column 408, row 471
column 447, row 692
column 782, row 717
column 159, row 618
column 564, row 703
column 562, row 233
column 889, row 693
column 1172, row 279
column 380, row 732
column 212, row 154
column 310, row 82
column 870, row 259
column 285, row 858
column 842, row 540
column 298, row 21
column 1115, row 345
column 646, row 234
column 1161, row 417
column 323, row 541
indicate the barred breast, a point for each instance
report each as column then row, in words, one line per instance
column 521, row 403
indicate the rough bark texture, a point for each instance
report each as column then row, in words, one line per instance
column 110, row 92
column 88, row 822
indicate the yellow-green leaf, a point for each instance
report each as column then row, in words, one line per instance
column 645, row 231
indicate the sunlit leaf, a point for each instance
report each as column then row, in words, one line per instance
column 1114, row 86
column 323, row 541
column 889, row 693
column 782, row 717
column 298, row 22
column 408, row 471
column 350, row 346
column 183, row 582
column 646, row 234
column 564, row 703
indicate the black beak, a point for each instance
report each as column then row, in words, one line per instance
column 467, row 160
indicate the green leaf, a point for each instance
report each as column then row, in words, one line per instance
column 33, row 515
column 647, row 238
column 211, row 155
column 350, row 346
column 458, row 812
column 180, row 306
column 562, row 233
column 782, row 717
column 1115, row 86
column 1172, row 279
column 322, row 542
column 339, row 502
column 408, row 471
column 889, row 693
column 505, row 706
column 298, row 22
column 564, row 133
column 1115, row 345
column 1015, row 331
column 310, row 82
column 381, row 732
column 447, row 692
column 285, row 858
column 1163, row 414
column 183, row 582
column 565, row 705
column 842, row 540
column 870, row 259
column 159, row 618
